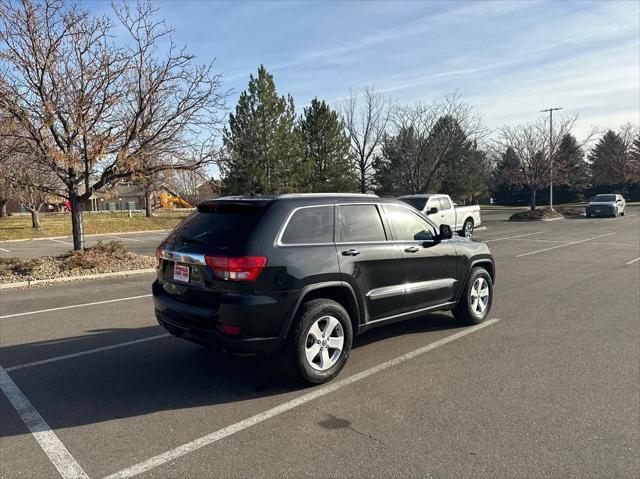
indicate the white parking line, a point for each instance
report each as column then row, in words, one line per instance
column 58, row 241
column 15, row 315
column 511, row 237
column 538, row 240
column 633, row 261
column 562, row 245
column 58, row 454
column 84, row 353
column 5, row 250
column 216, row 436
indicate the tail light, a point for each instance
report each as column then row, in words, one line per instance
column 229, row 330
column 241, row 268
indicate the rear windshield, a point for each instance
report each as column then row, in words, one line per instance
column 417, row 203
column 217, row 225
column 607, row 198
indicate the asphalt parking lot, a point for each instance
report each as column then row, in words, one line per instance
column 547, row 388
column 142, row 243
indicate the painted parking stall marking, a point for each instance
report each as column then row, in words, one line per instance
column 62, row 242
column 633, row 261
column 511, row 237
column 58, row 454
column 48, row 310
column 216, row 436
column 563, row 245
column 88, row 351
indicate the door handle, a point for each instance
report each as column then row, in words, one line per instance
column 351, row 252
column 412, row 249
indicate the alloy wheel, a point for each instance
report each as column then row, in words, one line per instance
column 324, row 343
column 468, row 230
column 479, row 296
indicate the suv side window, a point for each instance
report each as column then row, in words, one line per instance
column 408, row 226
column 360, row 223
column 310, row 226
column 445, row 203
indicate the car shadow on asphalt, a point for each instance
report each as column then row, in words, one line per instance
column 160, row 375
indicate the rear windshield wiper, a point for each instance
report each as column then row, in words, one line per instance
column 191, row 239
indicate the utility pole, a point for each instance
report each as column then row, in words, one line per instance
column 550, row 110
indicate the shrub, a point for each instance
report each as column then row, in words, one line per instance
column 100, row 255
column 17, row 266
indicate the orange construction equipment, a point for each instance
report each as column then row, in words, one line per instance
column 169, row 201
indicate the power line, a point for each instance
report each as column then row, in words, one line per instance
column 551, row 110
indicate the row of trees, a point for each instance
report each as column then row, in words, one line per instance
column 523, row 163
column 366, row 144
column 369, row 144
column 81, row 112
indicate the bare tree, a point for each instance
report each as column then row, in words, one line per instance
column 186, row 183
column 530, row 143
column 93, row 109
column 365, row 117
column 33, row 186
column 425, row 140
column 8, row 147
column 21, row 178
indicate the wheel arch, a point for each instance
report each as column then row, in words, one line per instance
column 337, row 291
column 486, row 263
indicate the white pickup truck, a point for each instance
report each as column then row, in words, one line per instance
column 441, row 210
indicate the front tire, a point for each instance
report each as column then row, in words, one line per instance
column 477, row 297
column 320, row 342
column 467, row 228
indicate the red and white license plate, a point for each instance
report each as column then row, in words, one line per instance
column 181, row 273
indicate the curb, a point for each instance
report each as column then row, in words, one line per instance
column 68, row 279
column 86, row 236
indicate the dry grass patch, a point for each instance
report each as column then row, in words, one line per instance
column 101, row 258
column 59, row 224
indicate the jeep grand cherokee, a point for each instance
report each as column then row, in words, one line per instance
column 303, row 274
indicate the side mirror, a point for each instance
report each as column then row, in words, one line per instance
column 423, row 236
column 432, row 211
column 445, row 232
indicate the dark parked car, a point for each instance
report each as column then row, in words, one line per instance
column 605, row 205
column 303, row 274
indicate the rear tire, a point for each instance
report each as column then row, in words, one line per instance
column 477, row 297
column 622, row 213
column 319, row 343
column 467, row 229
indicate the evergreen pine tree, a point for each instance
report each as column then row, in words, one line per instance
column 608, row 159
column 325, row 147
column 570, row 163
column 263, row 153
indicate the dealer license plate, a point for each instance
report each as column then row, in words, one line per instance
column 181, row 273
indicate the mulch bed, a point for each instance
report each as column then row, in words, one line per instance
column 102, row 258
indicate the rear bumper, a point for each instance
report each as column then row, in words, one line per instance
column 199, row 325
column 600, row 211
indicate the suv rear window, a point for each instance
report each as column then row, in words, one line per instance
column 310, row 225
column 217, row 225
column 360, row 223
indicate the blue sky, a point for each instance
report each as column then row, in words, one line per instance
column 510, row 59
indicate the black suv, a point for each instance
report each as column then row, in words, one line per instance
column 303, row 274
